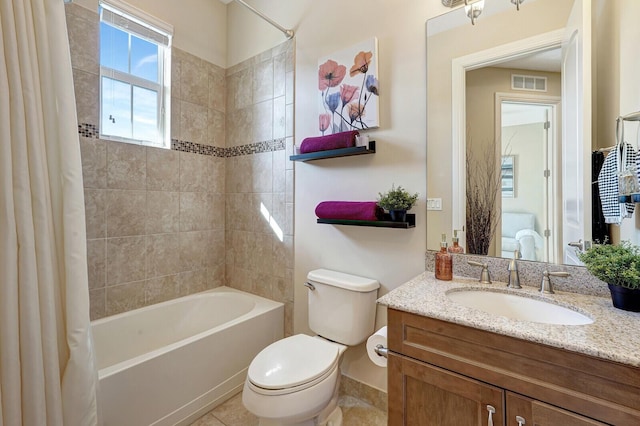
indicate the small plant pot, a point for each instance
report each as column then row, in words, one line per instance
column 398, row 215
column 624, row 298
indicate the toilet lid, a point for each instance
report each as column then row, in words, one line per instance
column 292, row 362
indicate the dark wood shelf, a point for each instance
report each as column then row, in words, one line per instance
column 335, row 153
column 385, row 223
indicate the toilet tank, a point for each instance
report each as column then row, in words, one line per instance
column 342, row 307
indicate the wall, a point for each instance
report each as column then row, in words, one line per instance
column 259, row 176
column 154, row 228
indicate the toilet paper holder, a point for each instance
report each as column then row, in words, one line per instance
column 382, row 351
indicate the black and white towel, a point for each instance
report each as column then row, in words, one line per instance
column 617, row 160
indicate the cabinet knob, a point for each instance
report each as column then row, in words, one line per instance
column 492, row 410
column 520, row 420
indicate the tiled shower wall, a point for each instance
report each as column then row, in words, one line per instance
column 156, row 217
column 259, row 177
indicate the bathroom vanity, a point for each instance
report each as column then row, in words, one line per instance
column 454, row 365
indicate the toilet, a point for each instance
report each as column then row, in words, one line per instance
column 295, row 381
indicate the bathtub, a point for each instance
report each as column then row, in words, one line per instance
column 170, row 363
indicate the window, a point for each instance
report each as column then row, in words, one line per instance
column 135, row 54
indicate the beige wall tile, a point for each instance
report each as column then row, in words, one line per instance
column 217, row 91
column 239, row 174
column 216, row 276
column 163, row 169
column 192, row 281
column 279, row 117
column 126, row 166
column 195, row 211
column 289, row 120
column 176, row 74
column 163, row 255
column 126, row 212
column 194, row 172
column 261, row 212
column 194, row 125
column 289, row 84
column 97, row 263
column 263, row 121
column 262, row 172
column 194, row 80
column 161, row 289
column 262, row 254
column 239, row 127
column 240, row 93
column 289, row 182
column 94, row 163
column 262, row 284
column 279, row 171
column 279, row 75
column 216, row 249
column 217, row 175
column 239, row 212
column 83, row 41
column 125, row 297
column 216, row 132
column 193, row 250
column 97, row 305
column 175, row 118
column 288, row 145
column 263, row 81
column 95, row 207
column 163, row 212
column 87, row 93
column 126, row 260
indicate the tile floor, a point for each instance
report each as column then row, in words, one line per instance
column 232, row 413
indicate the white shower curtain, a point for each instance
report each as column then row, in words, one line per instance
column 47, row 368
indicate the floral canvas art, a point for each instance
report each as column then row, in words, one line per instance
column 348, row 85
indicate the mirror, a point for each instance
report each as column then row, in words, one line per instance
column 491, row 87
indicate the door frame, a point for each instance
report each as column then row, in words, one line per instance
column 459, row 67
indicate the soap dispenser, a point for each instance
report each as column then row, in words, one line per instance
column 444, row 262
column 455, row 247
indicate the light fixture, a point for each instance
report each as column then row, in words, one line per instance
column 474, row 9
column 517, row 3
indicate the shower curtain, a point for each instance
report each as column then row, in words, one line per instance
column 47, row 368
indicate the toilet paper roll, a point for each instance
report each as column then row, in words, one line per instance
column 377, row 338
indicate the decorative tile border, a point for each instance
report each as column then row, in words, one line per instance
column 91, row 131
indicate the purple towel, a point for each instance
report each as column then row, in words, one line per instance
column 351, row 210
column 324, row 143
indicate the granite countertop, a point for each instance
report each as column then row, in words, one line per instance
column 614, row 334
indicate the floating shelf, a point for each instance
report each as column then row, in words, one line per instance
column 334, row 153
column 385, row 223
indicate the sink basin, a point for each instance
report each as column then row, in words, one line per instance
column 518, row 307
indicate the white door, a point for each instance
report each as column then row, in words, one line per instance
column 576, row 132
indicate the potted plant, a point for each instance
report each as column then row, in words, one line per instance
column 397, row 201
column 619, row 267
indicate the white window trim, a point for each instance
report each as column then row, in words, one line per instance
column 164, row 63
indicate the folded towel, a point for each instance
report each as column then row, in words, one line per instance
column 324, row 143
column 351, row 210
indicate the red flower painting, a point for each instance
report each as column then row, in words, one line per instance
column 349, row 102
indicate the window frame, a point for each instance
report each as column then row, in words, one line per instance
column 162, row 87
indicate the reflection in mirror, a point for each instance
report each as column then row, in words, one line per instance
column 505, row 92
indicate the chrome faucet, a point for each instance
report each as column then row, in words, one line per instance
column 545, row 286
column 485, row 278
column 514, row 276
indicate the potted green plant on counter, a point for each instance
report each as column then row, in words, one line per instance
column 619, row 267
column 397, row 201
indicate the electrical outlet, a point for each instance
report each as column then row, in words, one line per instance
column 434, row 203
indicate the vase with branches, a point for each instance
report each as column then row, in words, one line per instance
column 483, row 188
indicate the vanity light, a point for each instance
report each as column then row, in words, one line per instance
column 517, row 3
column 474, row 9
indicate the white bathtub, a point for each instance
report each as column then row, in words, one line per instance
column 170, row 363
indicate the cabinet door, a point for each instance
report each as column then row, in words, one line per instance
column 423, row 395
column 535, row 413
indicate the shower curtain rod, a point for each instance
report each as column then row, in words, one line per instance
column 288, row 33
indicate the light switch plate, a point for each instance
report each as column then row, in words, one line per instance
column 434, row 203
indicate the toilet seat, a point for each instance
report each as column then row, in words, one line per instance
column 292, row 364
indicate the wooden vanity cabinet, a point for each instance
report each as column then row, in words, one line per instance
column 441, row 373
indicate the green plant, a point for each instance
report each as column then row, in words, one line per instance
column 616, row 265
column 397, row 199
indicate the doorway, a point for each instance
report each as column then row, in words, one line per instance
column 527, row 128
